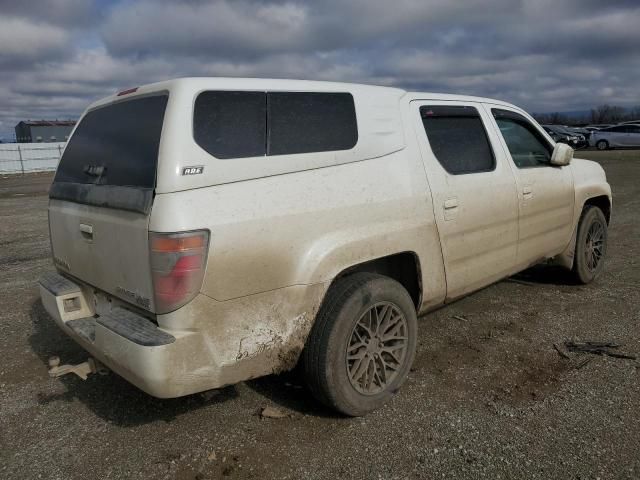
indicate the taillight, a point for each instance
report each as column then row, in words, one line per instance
column 178, row 261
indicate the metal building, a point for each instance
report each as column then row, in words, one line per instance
column 33, row 131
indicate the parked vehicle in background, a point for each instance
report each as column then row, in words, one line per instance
column 617, row 136
column 562, row 134
column 599, row 126
column 580, row 131
column 206, row 231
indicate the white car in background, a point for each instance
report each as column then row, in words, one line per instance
column 617, row 136
column 598, row 126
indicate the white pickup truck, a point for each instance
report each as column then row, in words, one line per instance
column 206, row 231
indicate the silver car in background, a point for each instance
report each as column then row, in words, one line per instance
column 616, row 136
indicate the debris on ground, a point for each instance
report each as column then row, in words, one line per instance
column 583, row 363
column 596, row 348
column 521, row 282
column 462, row 318
column 560, row 351
column 272, row 412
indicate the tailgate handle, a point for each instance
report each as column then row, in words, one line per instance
column 86, row 231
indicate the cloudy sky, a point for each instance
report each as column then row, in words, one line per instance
column 545, row 55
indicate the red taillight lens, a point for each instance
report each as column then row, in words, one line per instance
column 178, row 262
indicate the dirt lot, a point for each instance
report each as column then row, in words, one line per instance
column 489, row 397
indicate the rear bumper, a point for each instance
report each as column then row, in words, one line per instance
column 163, row 363
column 205, row 344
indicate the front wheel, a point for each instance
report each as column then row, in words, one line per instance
column 602, row 145
column 362, row 344
column 591, row 245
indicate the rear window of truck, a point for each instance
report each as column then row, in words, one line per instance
column 236, row 124
column 116, row 145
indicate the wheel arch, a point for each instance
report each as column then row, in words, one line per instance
column 603, row 202
column 404, row 267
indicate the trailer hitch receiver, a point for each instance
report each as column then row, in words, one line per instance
column 83, row 370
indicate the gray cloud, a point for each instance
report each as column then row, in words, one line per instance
column 23, row 41
column 70, row 13
column 546, row 55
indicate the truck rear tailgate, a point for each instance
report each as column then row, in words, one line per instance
column 106, row 248
column 102, row 194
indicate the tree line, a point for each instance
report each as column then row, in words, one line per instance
column 600, row 114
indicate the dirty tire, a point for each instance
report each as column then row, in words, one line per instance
column 350, row 301
column 602, row 145
column 592, row 233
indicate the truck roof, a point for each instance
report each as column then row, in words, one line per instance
column 229, row 83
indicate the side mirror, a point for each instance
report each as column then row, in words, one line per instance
column 562, row 155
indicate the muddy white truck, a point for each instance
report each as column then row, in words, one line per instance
column 207, row 231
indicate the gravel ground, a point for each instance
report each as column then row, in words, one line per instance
column 488, row 397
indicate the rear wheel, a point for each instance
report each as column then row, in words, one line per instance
column 591, row 245
column 602, row 145
column 362, row 345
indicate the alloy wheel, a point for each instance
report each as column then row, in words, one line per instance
column 377, row 348
column 594, row 249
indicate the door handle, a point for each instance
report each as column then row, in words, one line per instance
column 527, row 192
column 450, row 208
column 86, row 231
column 450, row 203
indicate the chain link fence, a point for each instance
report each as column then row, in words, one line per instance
column 29, row 157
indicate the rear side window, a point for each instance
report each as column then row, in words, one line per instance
column 250, row 124
column 300, row 122
column 527, row 146
column 458, row 138
column 231, row 124
column 116, row 145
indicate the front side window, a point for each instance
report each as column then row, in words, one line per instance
column 527, row 146
column 458, row 138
